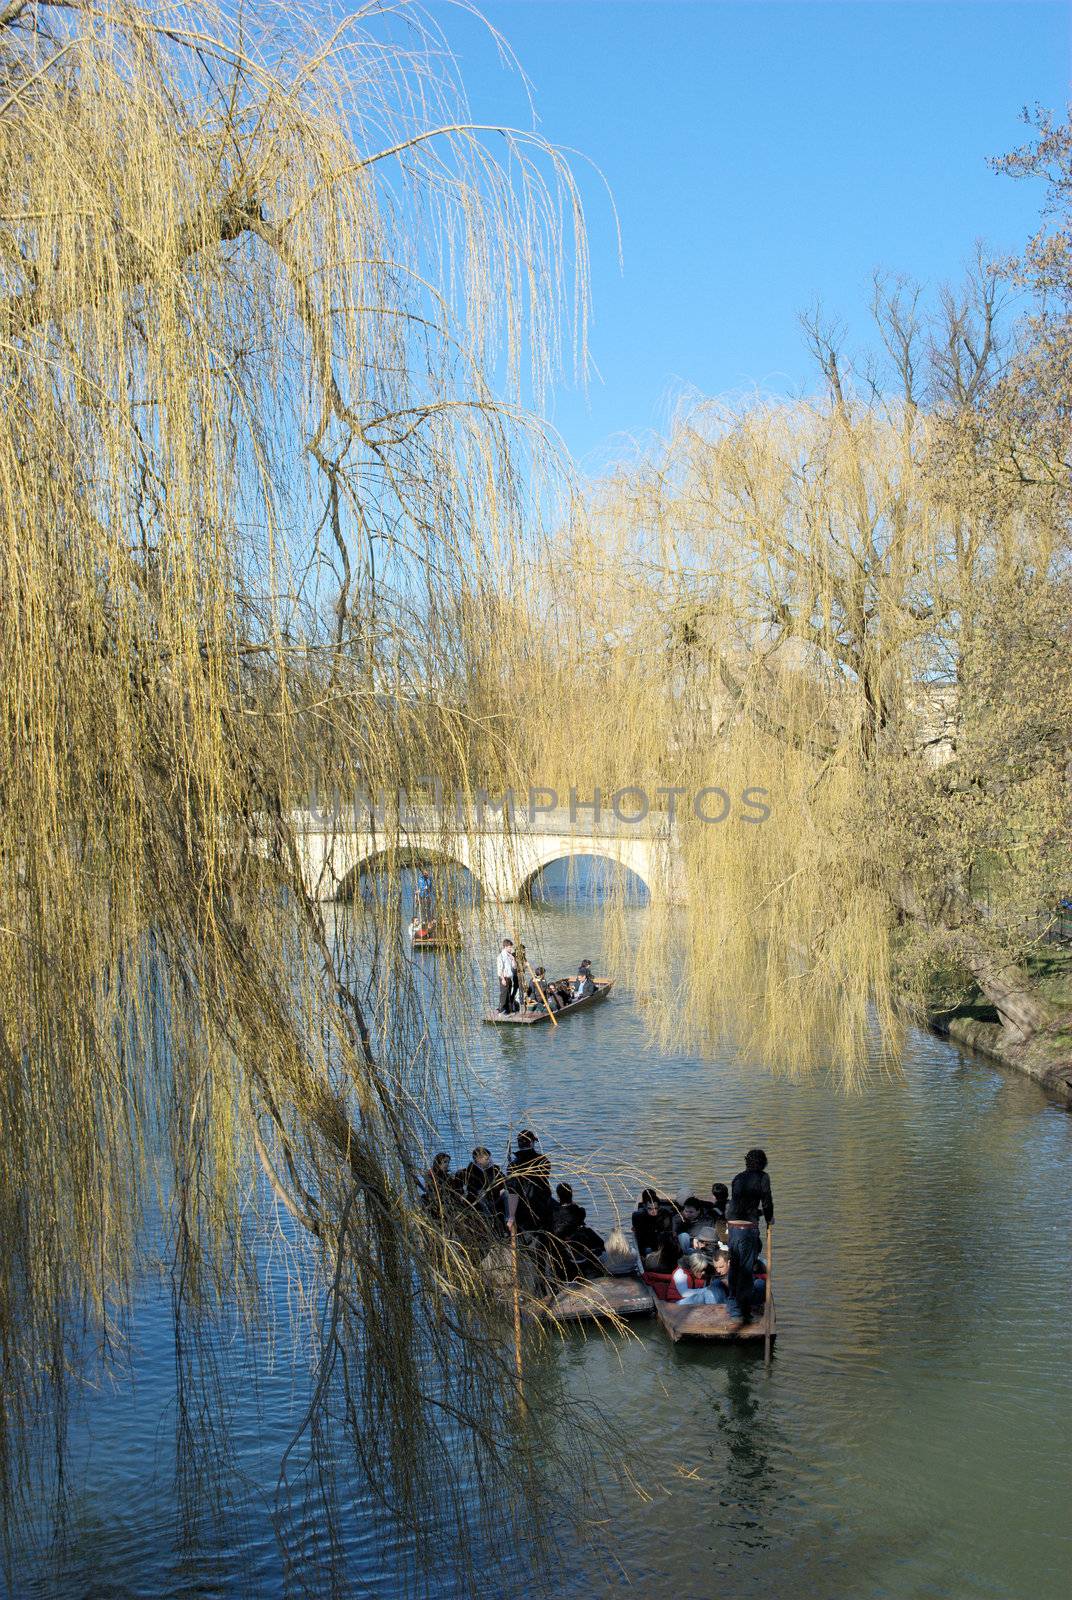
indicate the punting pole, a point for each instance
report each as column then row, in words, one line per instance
column 770, row 1299
column 517, row 1322
column 536, row 981
column 543, row 997
column 511, row 1226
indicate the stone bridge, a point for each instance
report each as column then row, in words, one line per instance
column 503, row 857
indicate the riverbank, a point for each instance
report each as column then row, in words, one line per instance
column 1048, row 1057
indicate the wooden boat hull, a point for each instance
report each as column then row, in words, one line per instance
column 448, row 937
column 711, row 1323
column 597, row 1298
column 529, row 1019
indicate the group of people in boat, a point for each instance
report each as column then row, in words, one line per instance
column 699, row 1251
column 552, row 1225
column 540, row 993
column 706, row 1251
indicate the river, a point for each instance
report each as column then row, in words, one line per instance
column 912, row 1437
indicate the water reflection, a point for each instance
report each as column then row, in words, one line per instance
column 743, row 1422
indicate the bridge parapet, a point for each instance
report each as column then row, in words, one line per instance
column 428, row 821
column 502, row 858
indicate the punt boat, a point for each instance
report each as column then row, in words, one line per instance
column 527, row 1019
column 712, row 1322
column 438, row 933
column 593, row 1299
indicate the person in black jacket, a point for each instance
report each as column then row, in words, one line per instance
column 651, row 1224
column 586, row 1245
column 528, row 1188
column 482, row 1184
column 539, row 996
column 441, row 1187
column 583, row 984
column 750, row 1197
column 575, row 1248
column 562, row 1205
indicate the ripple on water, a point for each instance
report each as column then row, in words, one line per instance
column 911, row 1438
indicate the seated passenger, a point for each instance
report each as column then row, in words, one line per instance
column 719, row 1284
column 557, row 1263
column 705, row 1239
column 482, row 1184
column 533, row 999
column 715, row 1208
column 691, row 1281
column 563, row 1202
column 440, row 1184
column 689, row 1221
column 585, row 1244
column 666, row 1257
column 619, row 1258
column 651, row 1223
column 583, row 985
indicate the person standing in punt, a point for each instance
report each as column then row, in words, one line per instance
column 425, row 894
column 506, row 972
column 750, row 1197
column 529, row 1204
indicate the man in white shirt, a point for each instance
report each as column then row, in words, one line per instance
column 506, row 971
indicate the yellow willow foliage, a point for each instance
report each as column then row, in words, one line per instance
column 777, row 599
column 257, row 495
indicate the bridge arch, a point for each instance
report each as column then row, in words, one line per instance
column 407, row 859
column 599, row 872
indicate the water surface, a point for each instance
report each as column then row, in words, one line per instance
column 911, row 1439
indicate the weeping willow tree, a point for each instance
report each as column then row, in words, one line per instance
column 856, row 605
column 257, row 489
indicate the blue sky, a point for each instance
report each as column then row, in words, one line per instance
column 760, row 156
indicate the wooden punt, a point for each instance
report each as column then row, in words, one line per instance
column 586, row 1300
column 596, row 1298
column 712, row 1322
column 527, row 1019
column 436, row 935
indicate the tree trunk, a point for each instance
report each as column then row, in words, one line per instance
column 1004, row 983
column 1009, row 990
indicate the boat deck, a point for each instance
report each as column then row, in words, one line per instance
column 597, row 1298
column 711, row 1322
column 529, row 1019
